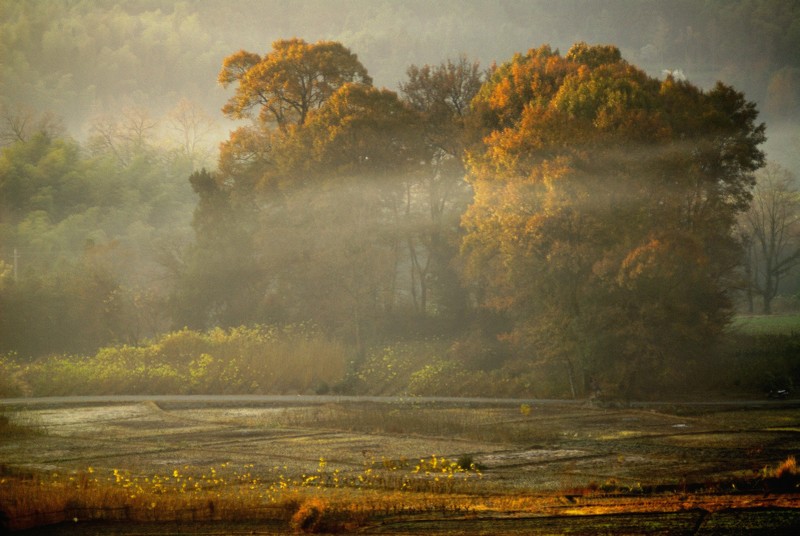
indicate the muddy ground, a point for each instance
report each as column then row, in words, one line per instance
column 520, row 448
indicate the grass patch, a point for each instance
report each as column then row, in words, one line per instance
column 767, row 324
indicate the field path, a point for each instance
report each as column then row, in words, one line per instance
column 333, row 399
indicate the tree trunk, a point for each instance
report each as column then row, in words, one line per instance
column 571, row 376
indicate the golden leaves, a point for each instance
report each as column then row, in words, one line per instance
column 290, row 81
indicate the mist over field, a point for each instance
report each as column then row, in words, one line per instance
column 505, row 198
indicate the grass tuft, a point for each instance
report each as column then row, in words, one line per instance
column 309, row 516
column 784, row 477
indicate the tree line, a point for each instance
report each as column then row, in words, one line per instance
column 75, row 55
column 567, row 214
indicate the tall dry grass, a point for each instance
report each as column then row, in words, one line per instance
column 321, row 499
column 246, row 360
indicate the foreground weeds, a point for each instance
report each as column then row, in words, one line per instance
column 331, row 501
column 311, row 502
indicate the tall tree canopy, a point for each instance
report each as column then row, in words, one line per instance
column 345, row 198
column 603, row 211
column 291, row 80
column 85, row 227
column 313, row 188
column 259, row 162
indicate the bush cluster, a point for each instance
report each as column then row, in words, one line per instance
column 301, row 359
column 245, row 360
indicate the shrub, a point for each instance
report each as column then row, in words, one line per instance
column 784, row 477
column 11, row 382
column 63, row 375
column 388, row 370
column 264, row 359
column 310, row 516
column 439, row 377
column 179, row 348
column 787, row 469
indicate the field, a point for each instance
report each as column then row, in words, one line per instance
column 767, row 324
column 413, row 466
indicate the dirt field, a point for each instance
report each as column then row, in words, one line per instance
column 521, row 449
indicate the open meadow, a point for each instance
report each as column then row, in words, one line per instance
column 396, row 466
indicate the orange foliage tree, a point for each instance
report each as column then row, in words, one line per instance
column 603, row 212
column 293, row 79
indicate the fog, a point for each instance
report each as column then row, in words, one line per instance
column 79, row 59
column 139, row 214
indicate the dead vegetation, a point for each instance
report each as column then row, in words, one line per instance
column 342, row 467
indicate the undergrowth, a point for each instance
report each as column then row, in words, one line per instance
column 246, row 360
column 323, row 501
column 310, row 502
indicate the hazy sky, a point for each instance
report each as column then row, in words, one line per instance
column 81, row 58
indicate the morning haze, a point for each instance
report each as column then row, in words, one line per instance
column 450, row 191
column 329, row 266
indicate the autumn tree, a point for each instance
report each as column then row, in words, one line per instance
column 218, row 278
column 127, row 136
column 603, row 213
column 435, row 199
column 353, row 194
column 771, row 228
column 334, row 230
column 312, row 187
column 290, row 81
column 278, row 92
